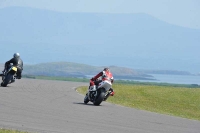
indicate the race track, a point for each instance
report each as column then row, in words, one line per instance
column 45, row 106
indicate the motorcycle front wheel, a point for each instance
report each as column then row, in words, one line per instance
column 7, row 79
column 86, row 99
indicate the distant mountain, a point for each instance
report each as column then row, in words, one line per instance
column 127, row 40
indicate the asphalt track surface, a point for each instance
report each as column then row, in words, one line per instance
column 44, row 106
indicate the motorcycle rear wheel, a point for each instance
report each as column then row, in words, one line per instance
column 99, row 99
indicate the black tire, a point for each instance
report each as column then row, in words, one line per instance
column 86, row 100
column 99, row 98
column 7, row 79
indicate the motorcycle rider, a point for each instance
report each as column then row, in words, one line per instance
column 16, row 61
column 101, row 76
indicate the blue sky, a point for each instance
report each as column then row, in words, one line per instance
column 184, row 13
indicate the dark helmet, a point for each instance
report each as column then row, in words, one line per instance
column 106, row 69
column 16, row 55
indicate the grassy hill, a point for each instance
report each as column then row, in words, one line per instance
column 70, row 69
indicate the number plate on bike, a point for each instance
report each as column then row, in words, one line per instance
column 14, row 68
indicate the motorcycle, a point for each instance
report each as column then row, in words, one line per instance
column 8, row 76
column 97, row 94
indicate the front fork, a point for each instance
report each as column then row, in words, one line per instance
column 91, row 95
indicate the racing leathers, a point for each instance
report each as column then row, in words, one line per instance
column 15, row 62
column 101, row 76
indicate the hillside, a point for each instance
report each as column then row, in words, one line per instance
column 70, row 69
column 137, row 41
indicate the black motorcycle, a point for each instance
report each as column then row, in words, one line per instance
column 8, row 75
column 98, row 94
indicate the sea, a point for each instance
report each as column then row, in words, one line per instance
column 175, row 79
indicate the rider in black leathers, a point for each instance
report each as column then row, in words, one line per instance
column 16, row 61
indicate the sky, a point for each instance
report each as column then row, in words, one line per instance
column 184, row 13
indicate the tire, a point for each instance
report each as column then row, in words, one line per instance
column 99, row 99
column 7, row 79
column 86, row 100
column 2, row 84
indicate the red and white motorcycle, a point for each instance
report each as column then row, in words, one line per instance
column 97, row 94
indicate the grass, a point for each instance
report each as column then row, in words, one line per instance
column 10, row 131
column 177, row 101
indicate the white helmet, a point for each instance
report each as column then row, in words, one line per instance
column 16, row 55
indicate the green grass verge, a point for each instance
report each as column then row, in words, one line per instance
column 177, row 101
column 10, row 131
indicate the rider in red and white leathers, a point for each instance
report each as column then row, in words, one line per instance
column 103, row 75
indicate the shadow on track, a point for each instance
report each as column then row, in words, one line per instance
column 88, row 104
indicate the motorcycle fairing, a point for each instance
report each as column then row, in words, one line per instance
column 105, row 84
